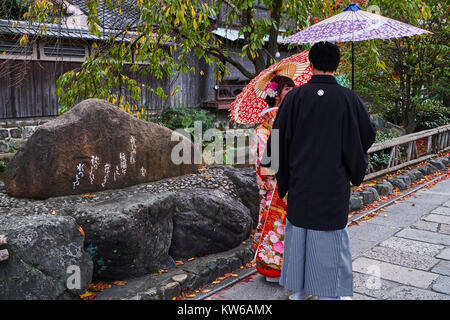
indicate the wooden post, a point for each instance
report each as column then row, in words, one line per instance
column 409, row 151
column 429, row 145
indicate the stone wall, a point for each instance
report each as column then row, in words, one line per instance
column 15, row 132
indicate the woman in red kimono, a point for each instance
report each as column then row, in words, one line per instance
column 269, row 237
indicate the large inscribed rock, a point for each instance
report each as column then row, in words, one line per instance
column 95, row 146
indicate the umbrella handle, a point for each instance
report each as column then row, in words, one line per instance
column 353, row 66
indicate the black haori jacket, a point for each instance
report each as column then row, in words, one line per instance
column 324, row 134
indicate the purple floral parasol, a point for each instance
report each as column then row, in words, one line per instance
column 354, row 24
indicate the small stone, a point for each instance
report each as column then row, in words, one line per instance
column 4, row 147
column 28, row 131
column 180, row 278
column 427, row 169
column 15, row 133
column 356, row 202
column 384, row 188
column 406, row 179
column 398, row 182
column 418, row 175
column 235, row 263
column 4, row 133
column 438, row 164
column 169, row 290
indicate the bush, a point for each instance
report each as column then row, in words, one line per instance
column 3, row 165
column 380, row 159
column 429, row 114
column 183, row 118
column 432, row 114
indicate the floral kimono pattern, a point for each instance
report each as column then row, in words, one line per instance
column 269, row 237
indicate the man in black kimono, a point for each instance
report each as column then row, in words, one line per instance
column 324, row 132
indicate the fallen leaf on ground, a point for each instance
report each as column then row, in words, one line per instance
column 96, row 287
column 163, row 271
column 87, row 295
column 120, row 283
column 179, row 263
column 89, row 195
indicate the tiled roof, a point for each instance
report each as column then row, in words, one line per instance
column 51, row 30
column 125, row 14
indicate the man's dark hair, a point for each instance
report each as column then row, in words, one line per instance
column 325, row 56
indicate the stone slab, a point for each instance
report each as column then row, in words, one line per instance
column 367, row 285
column 402, row 258
column 370, row 231
column 437, row 218
column 411, row 293
column 429, row 196
column 445, row 254
column 442, row 210
column 358, row 246
column 403, row 275
column 425, row 236
column 447, row 204
column 442, row 267
column 444, row 228
column 426, row 225
column 412, row 246
column 404, row 213
column 442, row 284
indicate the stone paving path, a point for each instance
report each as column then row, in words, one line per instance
column 402, row 254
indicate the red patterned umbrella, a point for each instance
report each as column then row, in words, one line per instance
column 250, row 102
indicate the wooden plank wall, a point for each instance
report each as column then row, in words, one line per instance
column 34, row 96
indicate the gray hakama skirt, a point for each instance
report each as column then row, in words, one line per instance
column 318, row 262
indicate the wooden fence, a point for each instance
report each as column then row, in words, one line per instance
column 410, row 149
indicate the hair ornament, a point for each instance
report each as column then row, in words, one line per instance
column 271, row 89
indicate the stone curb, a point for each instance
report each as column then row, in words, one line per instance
column 182, row 278
column 371, row 194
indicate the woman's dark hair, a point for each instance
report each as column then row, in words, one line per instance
column 325, row 56
column 282, row 82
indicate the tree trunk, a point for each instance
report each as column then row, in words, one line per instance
column 272, row 46
column 446, row 101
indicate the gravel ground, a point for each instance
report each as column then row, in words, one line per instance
column 210, row 178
